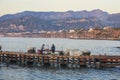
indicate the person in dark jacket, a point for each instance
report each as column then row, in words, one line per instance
column 42, row 48
column 53, row 48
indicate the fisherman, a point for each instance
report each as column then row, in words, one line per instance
column 42, row 48
column 53, row 48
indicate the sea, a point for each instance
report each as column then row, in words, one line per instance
column 97, row 47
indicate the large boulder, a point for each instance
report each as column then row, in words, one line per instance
column 86, row 52
column 73, row 52
column 31, row 50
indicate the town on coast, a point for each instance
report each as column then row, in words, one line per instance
column 107, row 33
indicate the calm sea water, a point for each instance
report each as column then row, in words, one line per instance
column 95, row 46
column 14, row 72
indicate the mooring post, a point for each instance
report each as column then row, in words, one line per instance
column 79, row 62
column 38, row 60
column 94, row 62
column 11, row 57
column 24, row 61
column 48, row 59
column 3, row 57
column 118, row 61
column 89, row 62
column 68, row 60
column 7, row 59
column 58, row 61
column 34, row 63
column 99, row 63
column 0, row 57
column 62, row 60
column 42, row 60
column 20, row 59
column 16, row 58
column 73, row 60
column 84, row 60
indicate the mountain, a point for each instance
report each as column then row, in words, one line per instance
column 114, row 20
column 36, row 21
column 58, row 15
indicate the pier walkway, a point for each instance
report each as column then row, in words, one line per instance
column 55, row 60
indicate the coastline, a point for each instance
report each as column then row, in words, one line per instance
column 94, row 34
column 82, row 38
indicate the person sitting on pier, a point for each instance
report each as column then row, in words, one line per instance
column 53, row 48
column 42, row 48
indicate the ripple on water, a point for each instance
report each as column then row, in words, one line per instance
column 25, row 73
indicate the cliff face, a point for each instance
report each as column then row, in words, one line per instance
column 37, row 21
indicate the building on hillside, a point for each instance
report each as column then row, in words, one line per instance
column 107, row 28
column 91, row 30
column 71, row 31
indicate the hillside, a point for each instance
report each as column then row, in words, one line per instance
column 37, row 21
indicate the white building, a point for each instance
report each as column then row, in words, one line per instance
column 91, row 30
column 71, row 31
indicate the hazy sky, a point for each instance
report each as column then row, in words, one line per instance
column 14, row 6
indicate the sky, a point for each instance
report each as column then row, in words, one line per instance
column 15, row 6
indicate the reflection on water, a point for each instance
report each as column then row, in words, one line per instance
column 24, row 73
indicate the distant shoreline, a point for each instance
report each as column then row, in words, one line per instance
column 92, row 34
column 114, row 39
